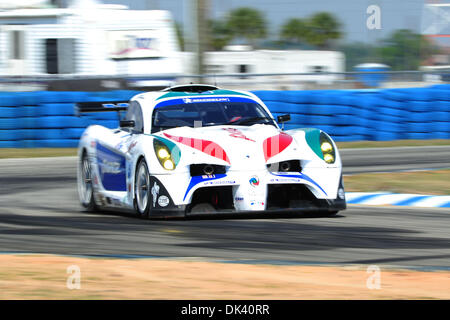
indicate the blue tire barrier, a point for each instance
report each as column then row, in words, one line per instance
column 418, row 94
column 329, row 109
column 295, row 118
column 111, row 124
column 63, row 96
column 30, row 98
column 10, row 123
column 386, row 118
column 420, row 135
column 344, row 130
column 348, row 138
column 387, row 126
column 394, row 94
column 420, row 117
column 442, row 135
column 386, row 136
column 56, row 109
column 54, row 122
column 52, row 134
column 72, row 133
column 442, row 106
column 33, row 119
column 267, row 95
column 419, row 106
column 102, row 116
column 27, row 111
column 286, row 107
column 11, row 144
column 324, row 97
column 442, row 126
column 57, row 143
column 11, row 135
column 421, row 127
column 390, row 104
column 9, row 99
column 440, row 116
column 440, row 94
column 291, row 126
column 298, row 97
column 8, row 112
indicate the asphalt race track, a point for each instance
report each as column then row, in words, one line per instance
column 39, row 213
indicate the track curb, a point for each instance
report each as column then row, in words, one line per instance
column 397, row 199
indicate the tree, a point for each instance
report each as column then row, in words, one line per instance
column 247, row 23
column 404, row 50
column 220, row 34
column 357, row 53
column 294, row 30
column 322, row 27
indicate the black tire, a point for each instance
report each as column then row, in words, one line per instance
column 142, row 199
column 85, row 185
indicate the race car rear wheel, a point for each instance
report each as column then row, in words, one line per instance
column 85, row 187
column 142, row 189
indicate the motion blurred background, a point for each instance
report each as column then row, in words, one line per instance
column 329, row 65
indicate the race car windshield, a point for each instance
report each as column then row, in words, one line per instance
column 209, row 114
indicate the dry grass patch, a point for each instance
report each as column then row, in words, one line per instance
column 421, row 182
column 45, row 277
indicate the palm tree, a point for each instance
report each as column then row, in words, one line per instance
column 248, row 24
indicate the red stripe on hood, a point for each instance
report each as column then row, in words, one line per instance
column 276, row 144
column 205, row 146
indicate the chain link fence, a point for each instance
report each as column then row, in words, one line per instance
column 247, row 81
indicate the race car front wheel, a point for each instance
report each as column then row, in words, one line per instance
column 142, row 189
column 85, row 188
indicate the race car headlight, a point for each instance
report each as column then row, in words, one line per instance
column 164, row 155
column 326, row 145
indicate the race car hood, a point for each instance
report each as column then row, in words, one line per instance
column 240, row 147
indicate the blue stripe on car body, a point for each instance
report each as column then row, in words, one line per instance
column 199, row 179
column 301, row 176
column 111, row 166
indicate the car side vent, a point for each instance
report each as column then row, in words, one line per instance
column 206, row 169
column 285, row 166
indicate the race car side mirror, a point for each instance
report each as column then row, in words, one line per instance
column 284, row 118
column 127, row 123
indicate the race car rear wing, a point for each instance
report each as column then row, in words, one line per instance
column 84, row 107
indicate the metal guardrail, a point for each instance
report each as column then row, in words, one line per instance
column 45, row 78
column 331, row 78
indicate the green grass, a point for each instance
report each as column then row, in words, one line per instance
column 420, row 182
column 38, row 152
column 394, row 143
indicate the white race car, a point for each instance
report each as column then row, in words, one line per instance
column 197, row 149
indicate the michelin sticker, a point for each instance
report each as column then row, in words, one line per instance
column 163, row 201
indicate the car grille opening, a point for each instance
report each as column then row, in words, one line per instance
column 212, row 198
column 285, row 166
column 206, row 169
column 291, row 196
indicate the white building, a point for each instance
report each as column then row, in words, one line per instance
column 246, row 62
column 87, row 38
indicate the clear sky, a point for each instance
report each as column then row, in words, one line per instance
column 395, row 14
